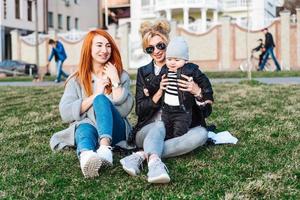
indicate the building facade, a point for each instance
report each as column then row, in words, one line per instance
column 64, row 15
column 52, row 15
column 18, row 14
column 200, row 15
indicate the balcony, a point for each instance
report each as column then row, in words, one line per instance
column 175, row 4
column 236, row 5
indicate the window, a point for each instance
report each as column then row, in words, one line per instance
column 17, row 9
column 145, row 2
column 76, row 23
column 68, row 23
column 4, row 9
column 50, row 19
column 29, row 10
column 59, row 20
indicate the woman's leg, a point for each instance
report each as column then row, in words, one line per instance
column 110, row 127
column 109, row 122
column 194, row 138
column 151, row 138
column 86, row 139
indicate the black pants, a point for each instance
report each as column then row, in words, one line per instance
column 177, row 121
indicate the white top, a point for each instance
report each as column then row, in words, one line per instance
column 171, row 94
column 157, row 116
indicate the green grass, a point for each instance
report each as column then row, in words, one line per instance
column 264, row 164
column 236, row 74
column 239, row 74
column 24, row 78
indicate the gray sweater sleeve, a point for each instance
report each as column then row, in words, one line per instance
column 70, row 103
column 124, row 104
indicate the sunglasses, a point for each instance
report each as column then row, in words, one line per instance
column 159, row 46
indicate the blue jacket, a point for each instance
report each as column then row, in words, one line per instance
column 58, row 52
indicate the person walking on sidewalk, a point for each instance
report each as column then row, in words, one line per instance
column 269, row 46
column 59, row 54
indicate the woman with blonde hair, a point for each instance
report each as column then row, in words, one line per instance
column 96, row 102
column 149, row 132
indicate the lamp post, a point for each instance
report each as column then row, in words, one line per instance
column 106, row 13
column 247, row 45
column 100, row 18
column 36, row 34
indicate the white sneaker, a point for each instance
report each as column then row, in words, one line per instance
column 90, row 164
column 131, row 164
column 105, row 155
column 158, row 172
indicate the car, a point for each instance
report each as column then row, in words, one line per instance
column 16, row 67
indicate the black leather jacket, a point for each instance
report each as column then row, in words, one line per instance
column 269, row 42
column 145, row 108
column 186, row 99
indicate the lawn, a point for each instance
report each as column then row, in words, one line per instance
column 264, row 164
column 227, row 74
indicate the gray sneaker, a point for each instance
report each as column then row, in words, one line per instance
column 131, row 164
column 158, row 172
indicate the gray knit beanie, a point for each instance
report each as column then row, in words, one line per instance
column 178, row 48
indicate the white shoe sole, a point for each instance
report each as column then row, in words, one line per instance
column 129, row 171
column 91, row 167
column 164, row 178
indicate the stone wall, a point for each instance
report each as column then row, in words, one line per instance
column 225, row 46
column 221, row 48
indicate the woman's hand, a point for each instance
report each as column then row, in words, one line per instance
column 189, row 85
column 163, row 83
column 100, row 85
column 111, row 72
column 162, row 86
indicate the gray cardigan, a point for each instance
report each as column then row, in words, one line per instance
column 70, row 105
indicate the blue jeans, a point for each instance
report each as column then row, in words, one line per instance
column 109, row 124
column 60, row 71
column 265, row 58
column 151, row 139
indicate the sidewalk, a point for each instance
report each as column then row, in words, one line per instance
column 274, row 80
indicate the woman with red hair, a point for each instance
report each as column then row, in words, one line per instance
column 96, row 102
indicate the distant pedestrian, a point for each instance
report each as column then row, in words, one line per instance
column 269, row 46
column 59, row 54
column 260, row 48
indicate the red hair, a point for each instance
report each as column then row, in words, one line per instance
column 84, row 72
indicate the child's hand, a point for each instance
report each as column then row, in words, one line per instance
column 146, row 92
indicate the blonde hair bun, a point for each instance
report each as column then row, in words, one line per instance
column 145, row 27
column 162, row 26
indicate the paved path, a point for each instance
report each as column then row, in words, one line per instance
column 274, row 80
